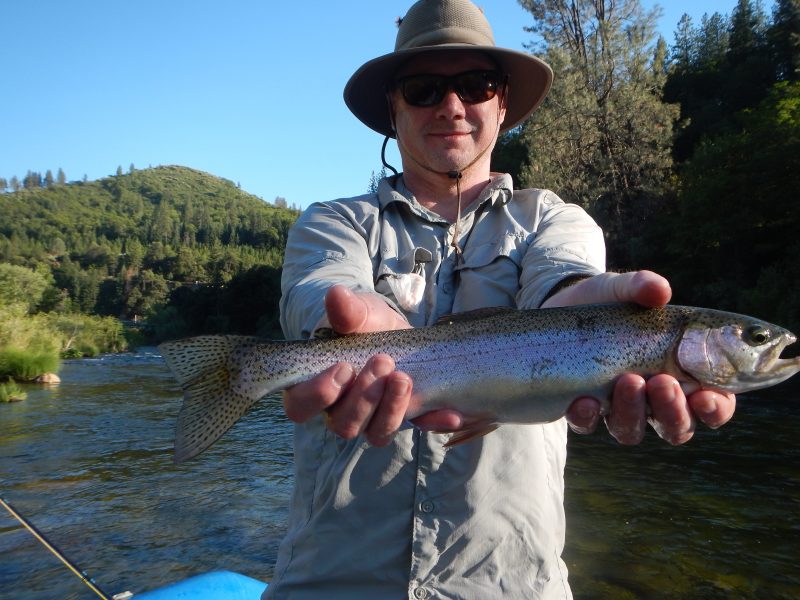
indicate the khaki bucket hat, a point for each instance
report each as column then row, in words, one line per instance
column 442, row 25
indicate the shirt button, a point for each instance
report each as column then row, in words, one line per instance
column 427, row 506
column 421, row 593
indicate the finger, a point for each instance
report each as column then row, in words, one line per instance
column 309, row 398
column 389, row 414
column 440, row 420
column 627, row 421
column 712, row 408
column 670, row 414
column 583, row 415
column 351, row 414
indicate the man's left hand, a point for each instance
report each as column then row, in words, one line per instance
column 635, row 402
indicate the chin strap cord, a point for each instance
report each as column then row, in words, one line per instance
column 383, row 156
column 454, row 242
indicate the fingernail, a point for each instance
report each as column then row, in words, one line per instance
column 343, row 375
column 398, row 387
column 587, row 413
column 709, row 407
column 668, row 390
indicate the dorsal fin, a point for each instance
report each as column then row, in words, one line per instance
column 324, row 333
column 473, row 315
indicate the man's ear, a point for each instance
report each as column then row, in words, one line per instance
column 503, row 104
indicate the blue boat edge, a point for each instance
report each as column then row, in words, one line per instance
column 215, row 585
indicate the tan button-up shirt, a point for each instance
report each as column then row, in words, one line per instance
column 415, row 519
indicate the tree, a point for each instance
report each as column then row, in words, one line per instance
column 14, row 184
column 61, row 178
column 3, row 184
column 19, row 285
column 747, row 31
column 749, row 73
column 602, row 138
column 375, row 179
column 32, row 180
column 148, row 290
column 713, row 41
column 684, row 50
column 49, row 180
column 733, row 240
column 784, row 39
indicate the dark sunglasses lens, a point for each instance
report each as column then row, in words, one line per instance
column 476, row 87
column 473, row 87
column 424, row 90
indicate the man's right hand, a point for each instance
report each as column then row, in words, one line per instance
column 374, row 401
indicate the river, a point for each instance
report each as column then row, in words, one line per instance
column 89, row 462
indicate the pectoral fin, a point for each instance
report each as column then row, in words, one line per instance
column 471, row 432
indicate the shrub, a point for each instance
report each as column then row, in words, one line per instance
column 27, row 365
column 11, row 392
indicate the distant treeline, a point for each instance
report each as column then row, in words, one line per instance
column 121, row 245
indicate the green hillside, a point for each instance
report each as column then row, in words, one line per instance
column 119, row 245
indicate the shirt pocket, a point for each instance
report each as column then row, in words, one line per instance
column 402, row 279
column 489, row 273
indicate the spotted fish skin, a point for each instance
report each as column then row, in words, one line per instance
column 500, row 365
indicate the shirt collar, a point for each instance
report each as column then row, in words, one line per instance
column 391, row 189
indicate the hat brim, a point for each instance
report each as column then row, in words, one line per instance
column 530, row 79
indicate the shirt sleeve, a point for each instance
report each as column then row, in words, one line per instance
column 567, row 242
column 329, row 244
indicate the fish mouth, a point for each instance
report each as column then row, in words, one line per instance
column 772, row 362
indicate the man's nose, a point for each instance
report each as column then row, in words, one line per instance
column 451, row 103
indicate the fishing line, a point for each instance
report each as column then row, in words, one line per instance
column 82, row 575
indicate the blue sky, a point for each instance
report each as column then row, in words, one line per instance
column 249, row 90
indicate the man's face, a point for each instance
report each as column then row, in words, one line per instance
column 449, row 135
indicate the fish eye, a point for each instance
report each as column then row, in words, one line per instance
column 756, row 335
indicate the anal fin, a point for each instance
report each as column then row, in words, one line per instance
column 471, row 432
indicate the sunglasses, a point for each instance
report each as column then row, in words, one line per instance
column 472, row 87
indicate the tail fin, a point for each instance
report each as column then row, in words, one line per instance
column 210, row 404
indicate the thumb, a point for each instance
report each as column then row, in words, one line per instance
column 641, row 287
column 360, row 312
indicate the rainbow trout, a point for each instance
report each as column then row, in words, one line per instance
column 500, row 365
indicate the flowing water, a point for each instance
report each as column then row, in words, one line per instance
column 89, row 462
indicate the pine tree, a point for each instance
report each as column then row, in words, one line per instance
column 747, row 31
column 684, row 50
column 61, row 178
column 602, row 138
column 32, row 180
column 749, row 73
column 784, row 39
column 713, row 41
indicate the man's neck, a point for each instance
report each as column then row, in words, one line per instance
column 438, row 192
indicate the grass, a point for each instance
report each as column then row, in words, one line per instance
column 27, row 365
column 11, row 392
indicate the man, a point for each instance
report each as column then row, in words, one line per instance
column 382, row 509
